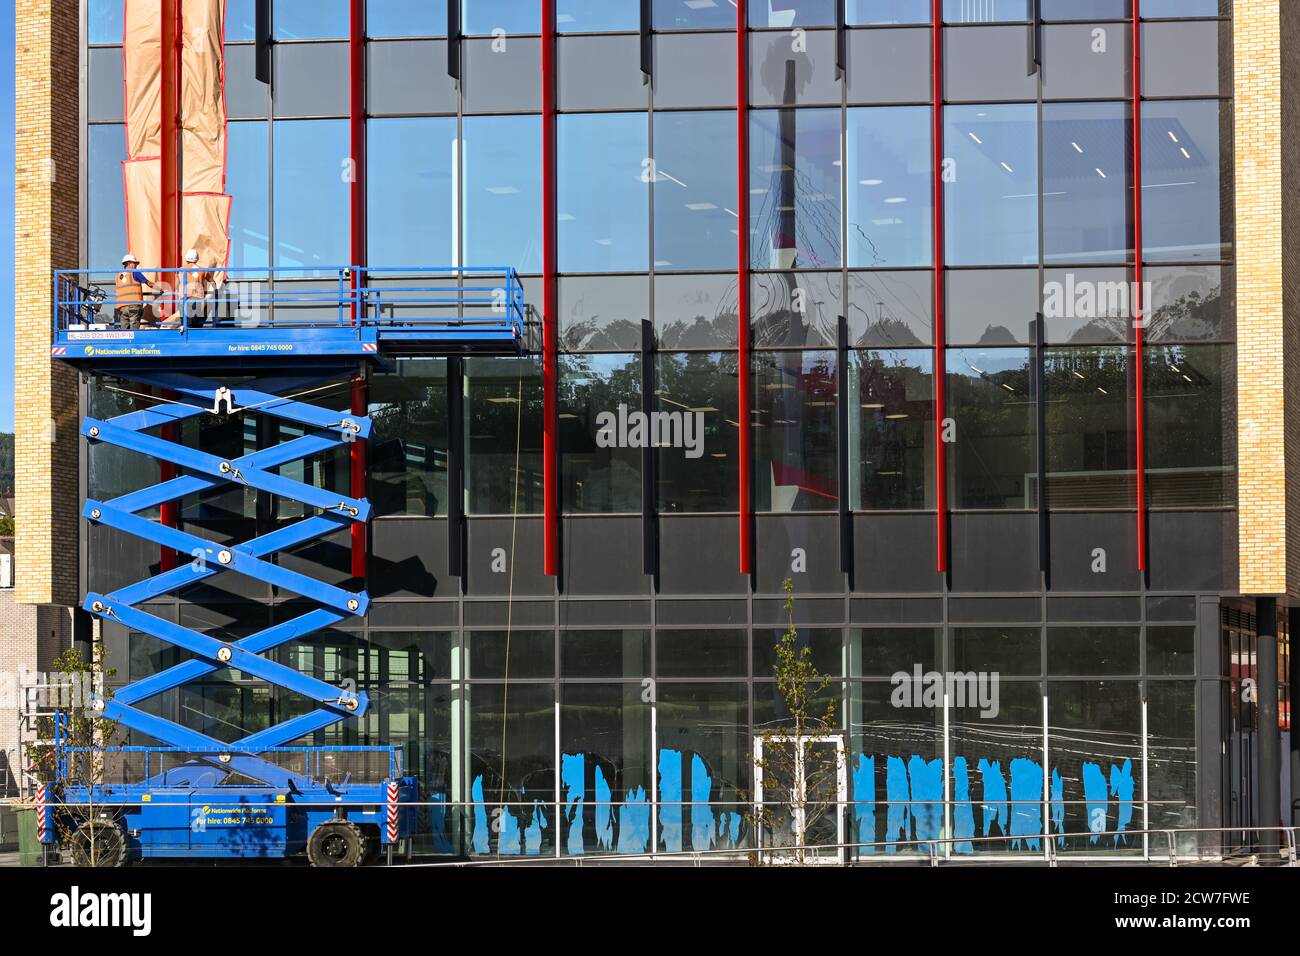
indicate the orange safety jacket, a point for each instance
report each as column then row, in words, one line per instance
column 197, row 282
column 129, row 289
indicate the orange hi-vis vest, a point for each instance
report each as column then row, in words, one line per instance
column 129, row 290
column 197, row 282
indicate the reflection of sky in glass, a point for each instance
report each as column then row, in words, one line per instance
column 310, row 19
column 890, row 185
column 512, row 16
column 984, row 11
column 246, row 182
column 311, row 197
column 105, row 21
column 241, row 19
column 991, row 207
column 791, row 13
column 887, row 11
column 1089, row 9
column 503, row 192
column 695, row 191
column 794, row 178
column 603, row 209
column 693, row 14
column 106, row 229
column 592, row 16
column 410, row 192
column 1085, row 182
column 406, row 18
column 1181, row 205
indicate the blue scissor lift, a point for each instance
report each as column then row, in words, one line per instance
column 259, row 343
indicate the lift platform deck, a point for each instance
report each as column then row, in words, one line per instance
column 291, row 315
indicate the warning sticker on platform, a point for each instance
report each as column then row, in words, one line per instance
column 101, row 336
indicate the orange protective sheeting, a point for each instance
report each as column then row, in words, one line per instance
column 143, row 182
column 203, row 102
column 142, row 76
column 205, row 226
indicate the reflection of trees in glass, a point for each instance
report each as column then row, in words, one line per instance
column 795, row 310
column 1190, row 449
column 993, row 455
column 891, row 307
column 503, row 422
column 703, row 382
column 408, row 450
column 1090, row 461
column 894, row 394
column 701, row 320
column 598, row 480
column 795, row 438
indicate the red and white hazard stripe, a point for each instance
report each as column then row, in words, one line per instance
column 392, row 811
column 58, row 350
column 369, row 347
column 40, row 812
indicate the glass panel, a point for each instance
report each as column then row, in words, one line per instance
column 406, row 18
column 501, row 76
column 891, row 308
column 409, row 76
column 599, row 398
column 1093, row 651
column 1088, row 61
column 991, row 207
column 1086, row 183
column 1171, row 758
column 701, row 653
column 888, row 651
column 696, row 312
column 1191, row 450
column 241, row 19
column 1171, row 651
column 311, row 79
column 606, row 653
column 791, row 13
column 106, row 203
column 311, row 212
column 597, row 16
column 696, row 225
column 1009, row 651
column 888, row 11
column 1192, row 303
column 991, row 462
column 795, row 432
column 1096, row 752
column 997, row 765
column 988, row 64
column 694, row 15
column 891, row 430
column 1183, row 214
column 699, row 69
column 104, row 19
column 606, row 769
column 1183, row 59
column 503, row 192
column 497, row 655
column 1086, row 9
column 510, row 737
column 1082, row 306
column 247, row 182
column 511, row 16
column 1090, row 460
column 601, row 73
column 699, row 476
column 889, row 66
column 793, row 69
column 991, row 306
column 794, row 189
column 408, row 448
column 246, row 98
column 411, row 191
column 600, row 313
column 311, row 19
column 984, row 11
column 602, row 192
column 703, row 765
column 104, row 85
column 504, row 464
column 825, row 644
column 1184, row 8
column 795, row 309
column 890, row 207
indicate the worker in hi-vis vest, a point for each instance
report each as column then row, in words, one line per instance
column 131, row 287
column 200, row 290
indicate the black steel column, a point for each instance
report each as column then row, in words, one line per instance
column 1270, row 737
column 456, row 544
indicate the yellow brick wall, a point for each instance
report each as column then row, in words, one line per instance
column 46, row 201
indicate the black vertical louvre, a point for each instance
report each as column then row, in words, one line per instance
column 263, row 37
column 453, row 38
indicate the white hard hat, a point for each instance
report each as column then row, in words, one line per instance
column 130, row 258
column 192, row 256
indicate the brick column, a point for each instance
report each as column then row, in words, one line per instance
column 46, row 238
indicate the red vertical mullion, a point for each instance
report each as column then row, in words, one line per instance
column 170, row 176
column 357, row 195
column 1139, row 324
column 745, row 418
column 940, row 301
column 550, row 304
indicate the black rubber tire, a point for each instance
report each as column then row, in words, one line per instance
column 101, row 839
column 336, row 843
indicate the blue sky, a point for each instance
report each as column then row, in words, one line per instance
column 7, row 231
